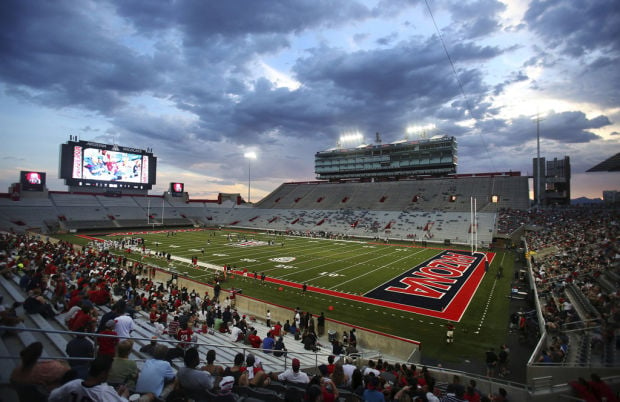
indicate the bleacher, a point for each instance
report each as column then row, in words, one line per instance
column 579, row 289
column 399, row 195
column 54, row 335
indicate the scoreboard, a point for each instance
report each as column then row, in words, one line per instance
column 92, row 164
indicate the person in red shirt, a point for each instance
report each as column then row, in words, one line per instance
column 50, row 269
column 601, row 389
column 163, row 318
column 76, row 297
column 153, row 316
column 107, row 345
column 100, row 295
column 255, row 340
column 277, row 330
column 83, row 320
column 185, row 335
column 330, row 364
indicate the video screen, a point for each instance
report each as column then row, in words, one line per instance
column 176, row 188
column 32, row 181
column 100, row 165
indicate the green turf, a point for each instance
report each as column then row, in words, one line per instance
column 348, row 266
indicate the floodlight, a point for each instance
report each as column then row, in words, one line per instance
column 250, row 155
column 353, row 137
column 420, row 129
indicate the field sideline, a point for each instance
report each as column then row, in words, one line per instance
column 341, row 274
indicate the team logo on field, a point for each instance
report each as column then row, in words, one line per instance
column 284, row 266
column 433, row 284
column 250, row 243
column 282, row 259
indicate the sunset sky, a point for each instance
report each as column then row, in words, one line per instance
column 203, row 82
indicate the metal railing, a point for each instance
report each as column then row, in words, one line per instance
column 242, row 348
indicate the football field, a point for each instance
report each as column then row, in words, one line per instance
column 399, row 288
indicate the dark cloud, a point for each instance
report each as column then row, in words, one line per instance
column 402, row 73
column 563, row 128
column 581, row 39
column 201, row 20
column 387, row 40
column 56, row 54
column 186, row 77
column 476, row 19
column 576, row 27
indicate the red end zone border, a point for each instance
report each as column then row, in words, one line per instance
column 453, row 311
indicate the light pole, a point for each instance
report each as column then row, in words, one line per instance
column 249, row 156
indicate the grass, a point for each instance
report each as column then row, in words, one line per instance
column 346, row 266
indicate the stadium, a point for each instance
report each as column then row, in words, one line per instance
column 424, row 265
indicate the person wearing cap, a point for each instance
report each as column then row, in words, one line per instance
column 293, row 374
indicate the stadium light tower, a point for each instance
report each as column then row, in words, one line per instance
column 249, row 156
column 355, row 138
column 420, row 130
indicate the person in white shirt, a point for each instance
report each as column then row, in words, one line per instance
column 348, row 369
column 371, row 369
column 123, row 326
column 236, row 334
column 94, row 388
column 293, row 374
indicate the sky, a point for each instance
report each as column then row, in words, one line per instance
column 204, row 82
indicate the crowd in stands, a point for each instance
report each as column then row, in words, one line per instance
column 576, row 250
column 62, row 279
